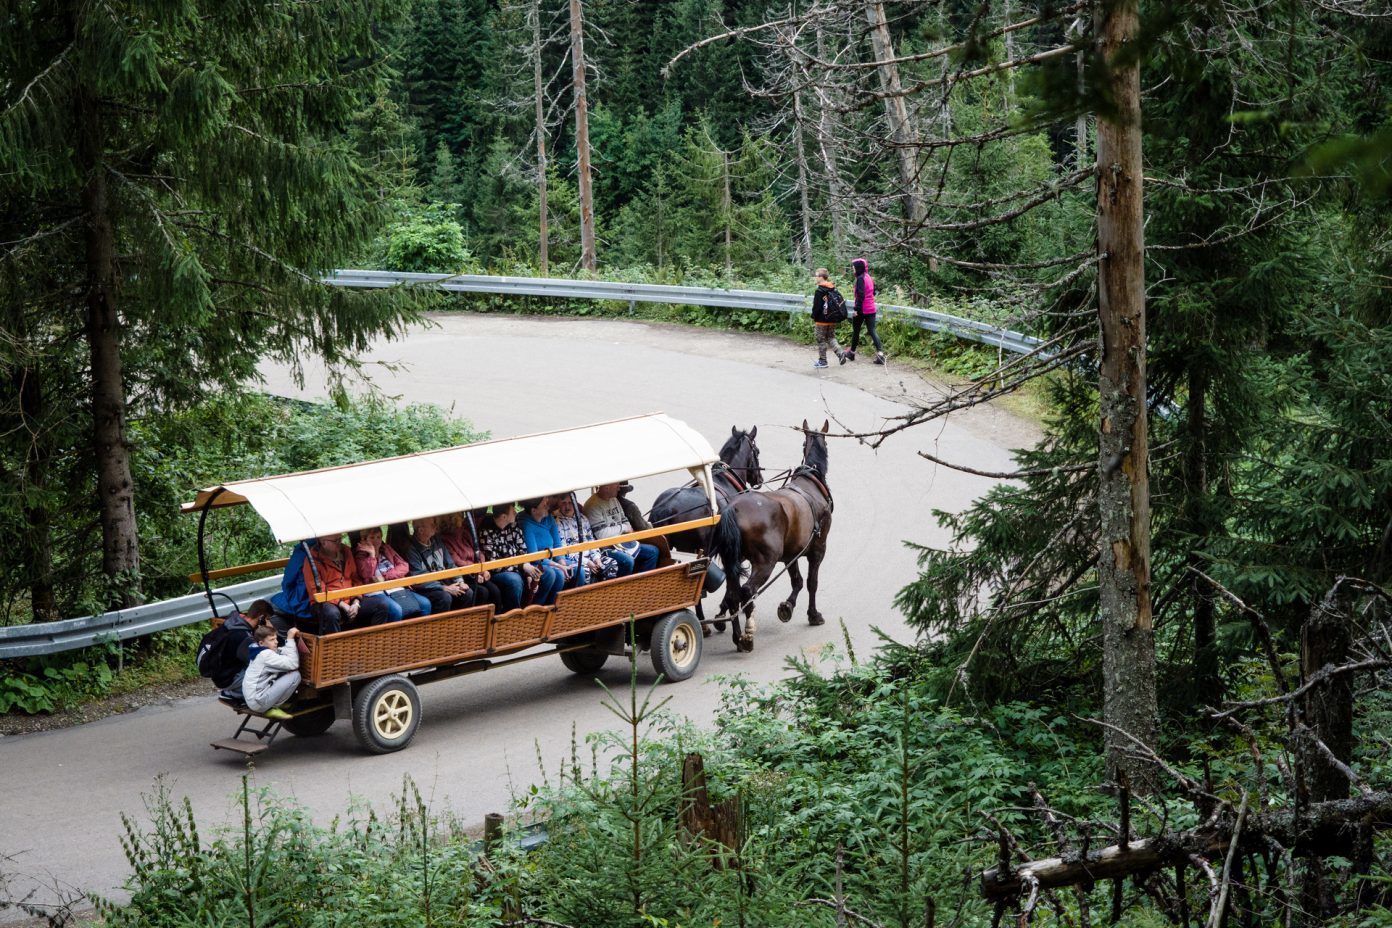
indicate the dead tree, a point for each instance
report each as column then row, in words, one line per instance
column 803, row 182
column 582, row 137
column 1123, row 493
column 1318, row 822
column 543, row 235
column 897, row 112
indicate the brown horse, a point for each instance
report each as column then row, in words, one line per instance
column 778, row 527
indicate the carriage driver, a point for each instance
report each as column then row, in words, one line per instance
column 607, row 518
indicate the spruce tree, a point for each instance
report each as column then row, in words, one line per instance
column 185, row 176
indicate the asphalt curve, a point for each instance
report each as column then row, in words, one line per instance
column 62, row 792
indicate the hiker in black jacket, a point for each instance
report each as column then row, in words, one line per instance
column 828, row 308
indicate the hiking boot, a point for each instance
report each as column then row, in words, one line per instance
column 880, row 359
column 819, row 363
column 849, row 356
column 843, row 357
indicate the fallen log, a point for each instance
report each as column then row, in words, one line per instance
column 1320, row 830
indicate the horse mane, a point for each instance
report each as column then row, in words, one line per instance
column 732, row 444
column 815, row 457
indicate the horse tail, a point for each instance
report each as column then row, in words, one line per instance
column 728, row 542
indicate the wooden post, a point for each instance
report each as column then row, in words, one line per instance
column 582, row 136
column 492, row 832
column 1123, row 493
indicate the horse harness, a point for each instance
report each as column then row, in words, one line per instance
column 817, row 518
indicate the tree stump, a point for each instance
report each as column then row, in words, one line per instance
column 719, row 825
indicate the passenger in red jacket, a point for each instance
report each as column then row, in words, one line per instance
column 378, row 562
column 330, row 567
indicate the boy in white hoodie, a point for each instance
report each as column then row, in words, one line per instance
column 273, row 673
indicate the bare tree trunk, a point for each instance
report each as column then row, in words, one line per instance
column 582, row 136
column 727, row 210
column 804, row 196
column 1327, row 712
column 115, row 490
column 897, row 111
column 1080, row 133
column 36, row 544
column 1207, row 683
column 543, row 235
column 1326, row 639
column 825, row 134
column 1123, row 482
column 1007, row 11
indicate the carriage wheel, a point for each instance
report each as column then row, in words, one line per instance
column 585, row 662
column 310, row 724
column 676, row 645
column 386, row 714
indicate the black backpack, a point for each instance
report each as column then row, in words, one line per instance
column 835, row 309
column 222, row 653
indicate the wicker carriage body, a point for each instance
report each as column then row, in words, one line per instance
column 477, row 633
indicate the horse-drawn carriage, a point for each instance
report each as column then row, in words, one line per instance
column 371, row 675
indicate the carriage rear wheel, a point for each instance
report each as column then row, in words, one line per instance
column 586, row 662
column 676, row 645
column 386, row 714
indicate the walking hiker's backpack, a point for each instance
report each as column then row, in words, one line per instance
column 222, row 653
column 835, row 309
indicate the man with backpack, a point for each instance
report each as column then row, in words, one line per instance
column 224, row 652
column 828, row 310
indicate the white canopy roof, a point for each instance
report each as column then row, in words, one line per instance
column 355, row 496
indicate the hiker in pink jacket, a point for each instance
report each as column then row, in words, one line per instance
column 864, row 311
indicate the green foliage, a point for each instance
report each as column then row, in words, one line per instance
column 229, row 437
column 249, row 435
column 427, row 241
column 45, row 684
column 278, row 868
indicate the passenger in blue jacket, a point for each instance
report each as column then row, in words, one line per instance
column 541, row 533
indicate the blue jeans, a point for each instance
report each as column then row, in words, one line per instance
column 552, row 580
column 510, row 584
column 645, row 560
column 406, row 604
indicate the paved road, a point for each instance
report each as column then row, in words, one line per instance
column 62, row 792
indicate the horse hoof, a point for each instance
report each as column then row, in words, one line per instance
column 745, row 644
column 720, row 626
column 816, row 619
column 785, row 612
column 705, row 631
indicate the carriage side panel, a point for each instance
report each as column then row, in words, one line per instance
column 611, row 602
column 396, row 646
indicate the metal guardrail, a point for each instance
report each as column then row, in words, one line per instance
column 760, row 300
column 122, row 624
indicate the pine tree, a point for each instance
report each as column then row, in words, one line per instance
column 185, row 176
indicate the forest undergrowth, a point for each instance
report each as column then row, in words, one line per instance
column 866, row 795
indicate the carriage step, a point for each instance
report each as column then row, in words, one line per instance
column 238, row 746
